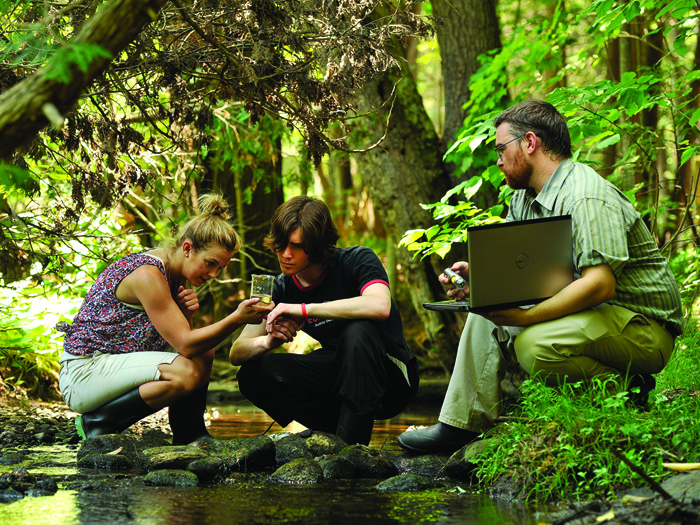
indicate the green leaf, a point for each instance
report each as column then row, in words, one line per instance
column 680, row 45
column 80, row 55
column 443, row 250
column 608, row 142
column 688, row 153
column 695, row 117
column 13, row 178
column 632, row 99
column 603, row 7
column 632, row 10
column 411, row 236
column 432, row 231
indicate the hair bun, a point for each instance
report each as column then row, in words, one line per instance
column 213, row 204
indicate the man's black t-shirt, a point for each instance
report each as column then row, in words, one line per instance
column 353, row 270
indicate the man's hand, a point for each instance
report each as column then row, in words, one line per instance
column 284, row 329
column 462, row 269
column 289, row 311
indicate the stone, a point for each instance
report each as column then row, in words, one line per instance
column 370, row 463
column 46, row 483
column 9, row 495
column 335, row 467
column 171, row 478
column 128, row 446
column 12, row 458
column 685, row 486
column 35, row 492
column 208, row 470
column 171, row 457
column 22, row 475
column 406, row 483
column 461, row 465
column 428, row 465
column 308, row 444
column 105, row 462
column 245, row 455
column 299, row 471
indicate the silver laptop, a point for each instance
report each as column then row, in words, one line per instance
column 515, row 263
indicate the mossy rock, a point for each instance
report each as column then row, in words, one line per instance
column 335, row 467
column 171, row 478
column 461, row 465
column 406, row 483
column 245, row 455
column 209, row 470
column 105, row 462
column 299, row 471
column 370, row 463
column 127, row 445
column 307, row 444
column 169, row 457
column 428, row 465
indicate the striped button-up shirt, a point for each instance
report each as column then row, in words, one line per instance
column 607, row 230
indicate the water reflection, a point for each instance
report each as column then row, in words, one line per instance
column 245, row 420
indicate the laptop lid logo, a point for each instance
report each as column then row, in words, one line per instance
column 522, row 261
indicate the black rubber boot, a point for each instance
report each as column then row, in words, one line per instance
column 640, row 385
column 353, row 428
column 187, row 417
column 115, row 416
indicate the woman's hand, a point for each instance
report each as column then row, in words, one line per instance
column 253, row 311
column 188, row 302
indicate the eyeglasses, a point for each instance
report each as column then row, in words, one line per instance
column 501, row 148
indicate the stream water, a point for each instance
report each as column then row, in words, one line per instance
column 346, row 502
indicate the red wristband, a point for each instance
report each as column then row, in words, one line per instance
column 303, row 313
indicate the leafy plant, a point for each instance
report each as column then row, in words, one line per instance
column 601, row 114
column 565, row 442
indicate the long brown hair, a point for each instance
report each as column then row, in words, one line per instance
column 318, row 232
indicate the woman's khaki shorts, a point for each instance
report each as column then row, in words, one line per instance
column 87, row 383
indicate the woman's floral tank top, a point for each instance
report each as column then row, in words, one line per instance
column 107, row 325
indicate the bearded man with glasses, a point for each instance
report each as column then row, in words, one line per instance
column 617, row 321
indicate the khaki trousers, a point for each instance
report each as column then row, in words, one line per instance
column 605, row 342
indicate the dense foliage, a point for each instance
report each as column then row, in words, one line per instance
column 636, row 123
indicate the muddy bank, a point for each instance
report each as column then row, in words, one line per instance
column 144, row 457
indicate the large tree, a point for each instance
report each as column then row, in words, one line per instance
column 408, row 168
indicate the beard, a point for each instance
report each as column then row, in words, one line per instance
column 518, row 176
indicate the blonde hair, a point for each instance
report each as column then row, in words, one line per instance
column 210, row 226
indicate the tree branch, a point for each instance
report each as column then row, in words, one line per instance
column 112, row 28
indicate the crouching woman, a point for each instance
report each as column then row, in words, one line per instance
column 131, row 349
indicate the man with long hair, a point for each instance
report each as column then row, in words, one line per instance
column 340, row 297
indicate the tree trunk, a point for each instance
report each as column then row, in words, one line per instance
column 468, row 28
column 23, row 108
column 405, row 171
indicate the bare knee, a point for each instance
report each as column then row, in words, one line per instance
column 185, row 375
